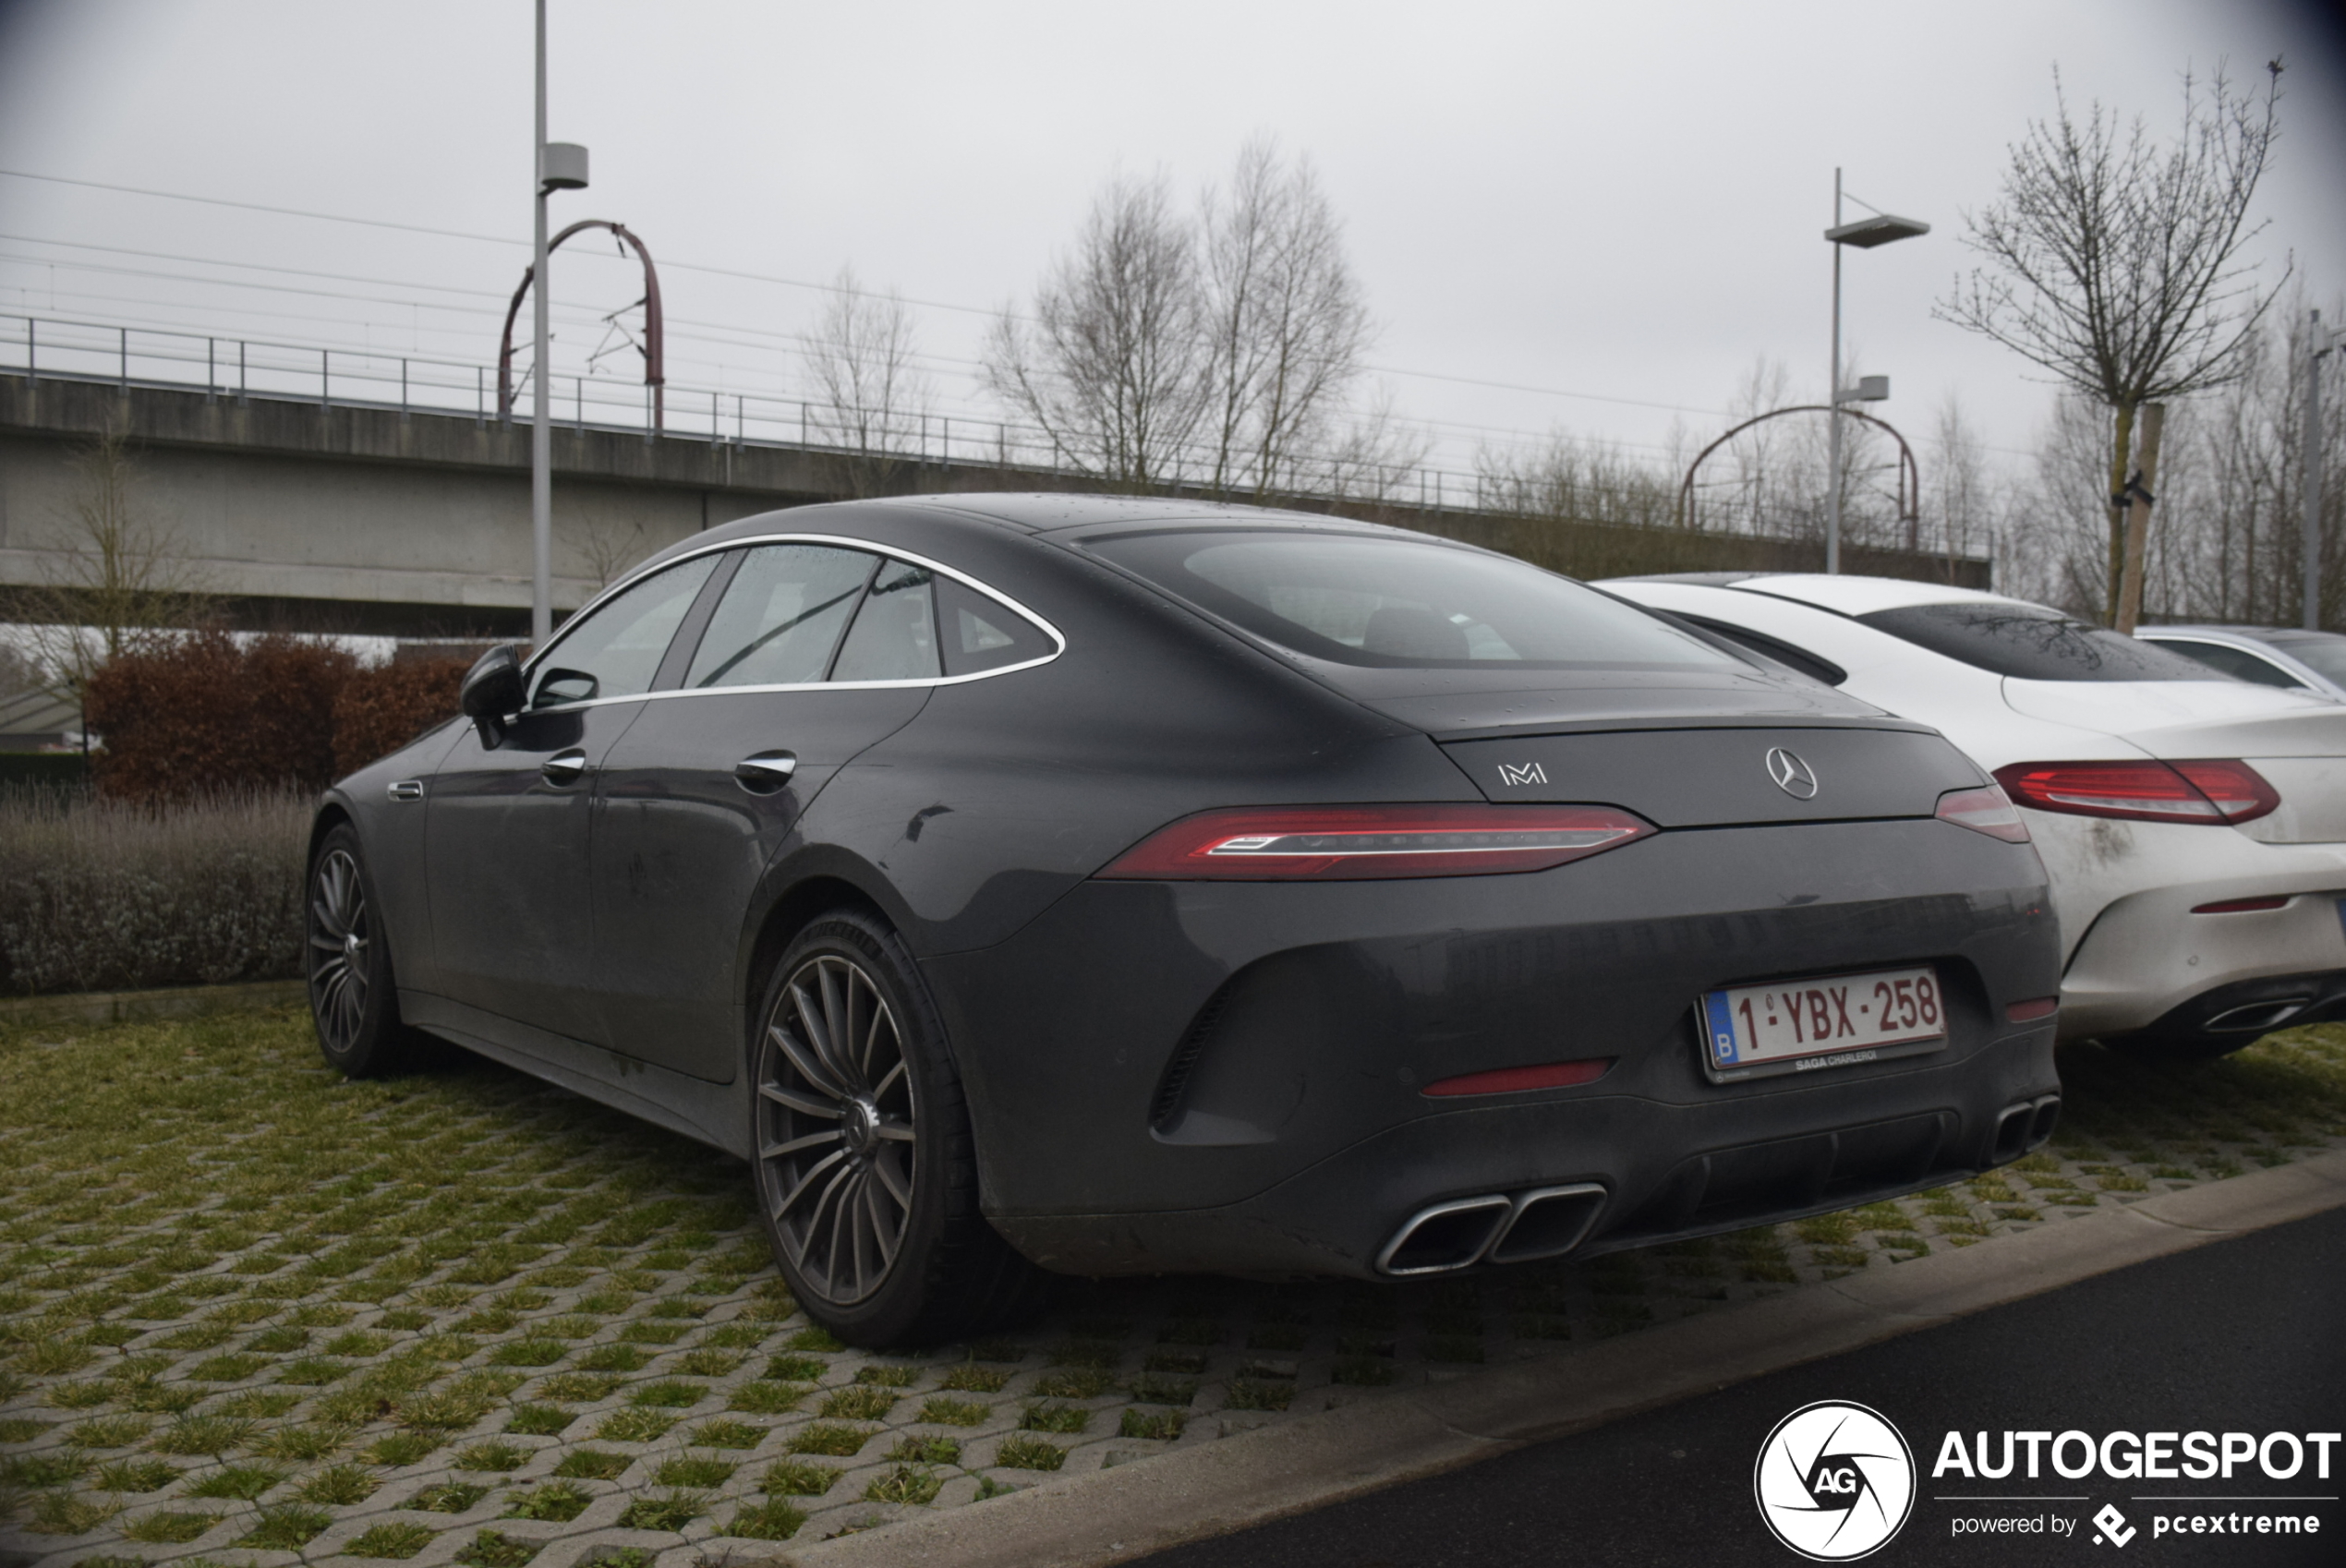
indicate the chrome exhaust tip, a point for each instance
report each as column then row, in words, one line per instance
column 2257, row 1016
column 1548, row 1221
column 1445, row 1237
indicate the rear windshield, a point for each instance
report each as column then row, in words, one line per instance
column 2326, row 655
column 2034, row 643
column 1400, row 603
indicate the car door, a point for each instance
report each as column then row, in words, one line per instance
column 506, row 840
column 814, row 653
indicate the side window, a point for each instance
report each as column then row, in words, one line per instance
column 781, row 616
column 615, row 651
column 984, row 633
column 2236, row 662
column 894, row 637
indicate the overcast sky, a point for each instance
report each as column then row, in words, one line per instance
column 1620, row 202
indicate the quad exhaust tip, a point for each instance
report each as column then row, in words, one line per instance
column 1542, row 1221
column 2026, row 1126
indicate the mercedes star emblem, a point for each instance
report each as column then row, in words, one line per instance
column 1792, row 774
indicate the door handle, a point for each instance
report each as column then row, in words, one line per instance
column 563, row 768
column 407, row 790
column 766, row 772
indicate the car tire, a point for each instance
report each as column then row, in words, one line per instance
column 354, row 999
column 865, row 1166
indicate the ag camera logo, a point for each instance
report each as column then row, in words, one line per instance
column 1835, row 1481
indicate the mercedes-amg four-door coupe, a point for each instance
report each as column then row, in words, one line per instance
column 1139, row 887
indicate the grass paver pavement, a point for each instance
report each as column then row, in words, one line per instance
column 251, row 1314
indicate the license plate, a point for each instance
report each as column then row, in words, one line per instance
column 1839, row 1020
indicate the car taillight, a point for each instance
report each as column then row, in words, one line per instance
column 1339, row 843
column 1985, row 810
column 2212, row 792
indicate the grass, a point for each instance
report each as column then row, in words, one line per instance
column 772, row 1520
column 827, row 1436
column 671, row 1513
column 397, row 1542
column 914, row 1484
column 795, row 1477
column 165, row 1528
column 593, row 1464
column 1019, row 1451
column 560, row 1501
column 490, row 1549
column 438, row 1269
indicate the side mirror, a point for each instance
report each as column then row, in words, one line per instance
column 491, row 690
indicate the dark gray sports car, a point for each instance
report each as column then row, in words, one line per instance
column 1135, row 886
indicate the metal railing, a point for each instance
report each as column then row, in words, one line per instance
column 41, row 346
column 241, row 368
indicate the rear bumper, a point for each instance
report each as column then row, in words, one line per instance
column 1191, row 1076
column 2148, row 956
column 2228, row 1016
column 1664, row 1172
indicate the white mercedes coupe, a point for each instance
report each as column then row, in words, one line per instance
column 2194, row 826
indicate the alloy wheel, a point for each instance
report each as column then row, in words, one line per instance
column 835, row 1129
column 339, row 933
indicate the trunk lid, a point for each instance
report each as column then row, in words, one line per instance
column 1722, row 776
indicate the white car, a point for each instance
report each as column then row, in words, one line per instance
column 2271, row 655
column 2194, row 826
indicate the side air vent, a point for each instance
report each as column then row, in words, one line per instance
column 1164, row 1105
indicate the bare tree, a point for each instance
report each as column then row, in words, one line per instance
column 2117, row 265
column 1110, row 365
column 866, row 363
column 1283, row 318
column 112, row 576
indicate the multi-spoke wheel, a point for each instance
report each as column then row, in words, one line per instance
column 837, row 1113
column 866, row 1169
column 352, row 996
column 339, row 925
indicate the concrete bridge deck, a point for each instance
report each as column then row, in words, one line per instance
column 340, row 517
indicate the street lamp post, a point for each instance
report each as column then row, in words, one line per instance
column 2319, row 340
column 560, row 165
column 1865, row 233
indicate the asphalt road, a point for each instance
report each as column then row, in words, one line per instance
column 2245, row 1336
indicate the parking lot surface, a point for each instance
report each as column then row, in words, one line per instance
column 2225, row 1337
column 254, row 1314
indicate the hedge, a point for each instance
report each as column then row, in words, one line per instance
column 207, row 712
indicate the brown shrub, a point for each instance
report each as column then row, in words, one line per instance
column 203, row 712
column 380, row 710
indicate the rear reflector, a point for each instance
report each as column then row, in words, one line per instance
column 1515, row 1081
column 1985, row 810
column 1339, row 843
column 2240, row 905
column 2028, row 1012
column 2208, row 791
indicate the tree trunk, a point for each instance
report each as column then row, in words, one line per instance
column 2122, row 449
column 2130, row 592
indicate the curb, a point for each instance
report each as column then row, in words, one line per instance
column 118, row 1007
column 1114, row 1516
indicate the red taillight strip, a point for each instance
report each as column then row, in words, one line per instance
column 1341, row 843
column 2241, row 906
column 1515, row 1081
column 2208, row 791
column 2033, row 1009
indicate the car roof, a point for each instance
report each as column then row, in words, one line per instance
column 1844, row 594
column 2279, row 637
